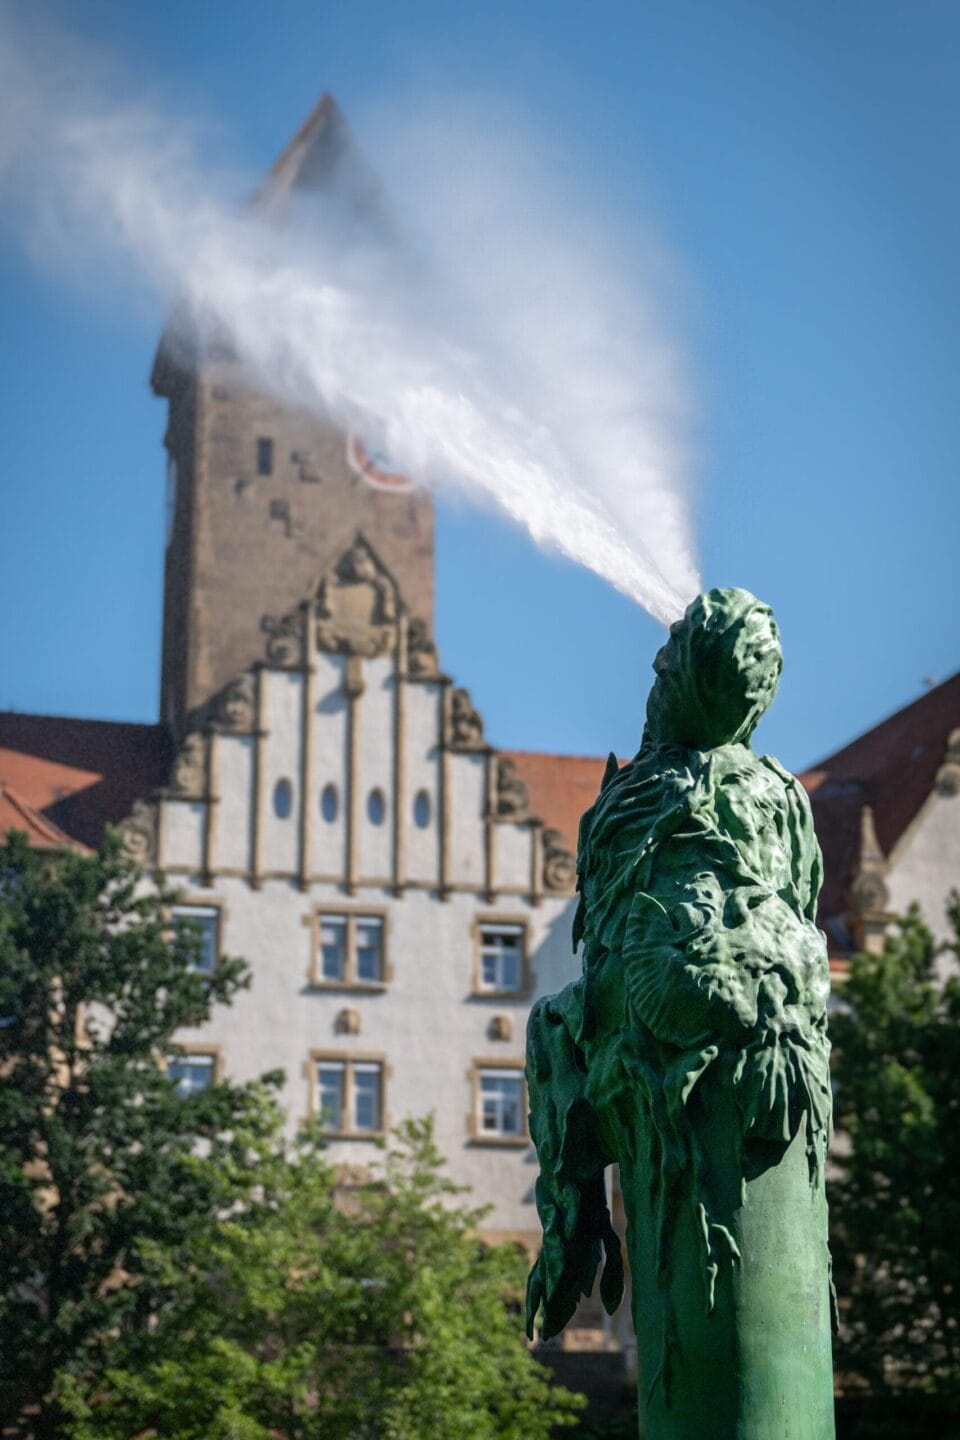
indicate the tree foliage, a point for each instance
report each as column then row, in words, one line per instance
column 896, row 1203
column 97, row 1148
column 369, row 1311
column 169, row 1265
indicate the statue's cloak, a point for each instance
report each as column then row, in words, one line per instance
column 698, row 874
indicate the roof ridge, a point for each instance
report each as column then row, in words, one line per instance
column 902, row 710
column 79, row 719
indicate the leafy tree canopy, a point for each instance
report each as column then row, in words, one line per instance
column 365, row 1311
column 97, row 1147
column 169, row 1264
column 896, row 1204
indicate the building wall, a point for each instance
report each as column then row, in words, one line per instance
column 358, row 725
column 245, row 545
column 925, row 865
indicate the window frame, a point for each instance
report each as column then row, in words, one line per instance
column 212, row 909
column 353, row 915
column 199, row 1051
column 513, row 923
column 501, row 1066
column 350, row 1062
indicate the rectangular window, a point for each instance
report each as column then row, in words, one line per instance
column 349, row 1095
column 349, row 950
column 333, row 947
column 264, row 456
column 501, row 959
column 191, row 1073
column 501, row 1103
column 368, row 935
column 366, row 1096
column 196, row 932
column 331, row 1084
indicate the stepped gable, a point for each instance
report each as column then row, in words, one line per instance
column 893, row 769
column 80, row 775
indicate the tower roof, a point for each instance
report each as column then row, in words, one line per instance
column 322, row 159
column 321, row 156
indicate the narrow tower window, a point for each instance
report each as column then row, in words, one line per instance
column 282, row 799
column 329, row 804
column 376, row 807
column 264, row 455
column 421, row 809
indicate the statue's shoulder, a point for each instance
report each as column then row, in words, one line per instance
column 790, row 781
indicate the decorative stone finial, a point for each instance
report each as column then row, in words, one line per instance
column 948, row 776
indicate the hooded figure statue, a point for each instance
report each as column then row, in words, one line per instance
column 693, row 1053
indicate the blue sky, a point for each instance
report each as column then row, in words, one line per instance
column 798, row 164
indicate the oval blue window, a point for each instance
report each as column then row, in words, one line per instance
column 376, row 807
column 421, row 809
column 329, row 803
column 282, row 799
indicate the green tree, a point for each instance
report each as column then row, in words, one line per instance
column 97, row 1148
column 368, row 1310
column 896, row 1203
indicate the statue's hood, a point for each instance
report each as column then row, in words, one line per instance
column 717, row 673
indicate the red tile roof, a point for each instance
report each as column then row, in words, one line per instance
column 81, row 774
column 892, row 768
column 17, row 814
column 561, row 787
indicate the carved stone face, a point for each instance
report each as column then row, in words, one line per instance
column 238, row 703
column 188, row 766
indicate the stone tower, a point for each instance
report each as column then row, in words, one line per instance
column 263, row 498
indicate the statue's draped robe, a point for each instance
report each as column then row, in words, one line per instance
column 693, row 1053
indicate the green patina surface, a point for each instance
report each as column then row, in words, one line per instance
column 693, row 1053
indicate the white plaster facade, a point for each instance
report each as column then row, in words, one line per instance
column 439, row 856
column 924, row 866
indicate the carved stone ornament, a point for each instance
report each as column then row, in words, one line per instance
column 189, row 773
column 421, row 651
column 237, row 708
column 948, row 776
column 559, row 866
column 347, row 1021
column 356, row 605
column 466, row 726
column 869, row 893
column 285, row 643
column 868, row 890
column 139, row 833
column 513, row 799
column 500, row 1028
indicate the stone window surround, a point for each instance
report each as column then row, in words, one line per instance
column 486, row 1137
column 349, row 1058
column 204, row 901
column 527, row 977
column 198, row 1048
column 350, row 913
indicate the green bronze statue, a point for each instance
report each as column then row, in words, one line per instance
column 693, row 1053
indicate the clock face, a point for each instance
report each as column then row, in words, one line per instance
column 372, row 464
